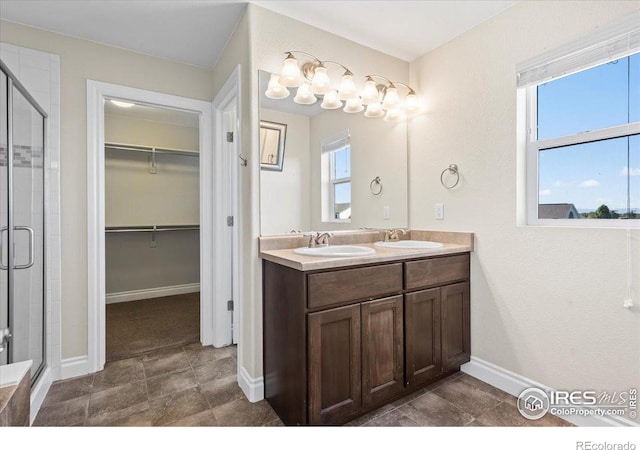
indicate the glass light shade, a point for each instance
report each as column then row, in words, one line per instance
column 374, row 110
column 411, row 104
column 122, row 104
column 370, row 93
column 347, row 88
column 304, row 96
column 391, row 98
column 394, row 115
column 330, row 101
column 275, row 89
column 290, row 75
column 320, row 84
column 354, row 105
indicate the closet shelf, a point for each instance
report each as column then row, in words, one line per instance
column 153, row 150
column 151, row 229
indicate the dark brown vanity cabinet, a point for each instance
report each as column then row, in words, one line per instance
column 341, row 342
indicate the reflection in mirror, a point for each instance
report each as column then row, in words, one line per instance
column 272, row 143
column 342, row 171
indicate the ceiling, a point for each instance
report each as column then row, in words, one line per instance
column 196, row 32
column 404, row 29
column 154, row 114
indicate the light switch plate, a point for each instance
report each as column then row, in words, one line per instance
column 385, row 212
column 439, row 211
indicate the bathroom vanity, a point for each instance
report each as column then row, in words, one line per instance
column 345, row 336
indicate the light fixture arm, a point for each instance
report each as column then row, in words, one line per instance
column 290, row 54
column 391, row 83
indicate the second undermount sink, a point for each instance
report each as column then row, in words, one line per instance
column 335, row 250
column 409, row 244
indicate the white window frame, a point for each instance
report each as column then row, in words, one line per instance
column 534, row 147
column 335, row 181
column 619, row 40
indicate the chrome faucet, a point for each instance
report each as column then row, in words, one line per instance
column 320, row 240
column 393, row 234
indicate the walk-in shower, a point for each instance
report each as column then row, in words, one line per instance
column 22, row 212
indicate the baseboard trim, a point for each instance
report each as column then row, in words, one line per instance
column 142, row 294
column 74, row 367
column 253, row 388
column 39, row 392
column 514, row 384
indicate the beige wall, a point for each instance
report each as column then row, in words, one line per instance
column 81, row 60
column 378, row 148
column 238, row 52
column 133, row 131
column 134, row 197
column 285, row 200
column 270, row 34
column 546, row 302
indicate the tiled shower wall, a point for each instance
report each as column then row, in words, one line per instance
column 39, row 72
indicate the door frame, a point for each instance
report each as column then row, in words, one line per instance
column 227, row 188
column 97, row 94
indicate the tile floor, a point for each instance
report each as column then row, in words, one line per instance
column 196, row 386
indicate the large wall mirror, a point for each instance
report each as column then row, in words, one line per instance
column 333, row 170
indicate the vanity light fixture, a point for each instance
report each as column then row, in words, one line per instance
column 330, row 101
column 122, row 104
column 275, row 90
column 312, row 81
column 305, row 96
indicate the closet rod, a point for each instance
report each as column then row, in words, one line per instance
column 134, row 148
column 151, row 229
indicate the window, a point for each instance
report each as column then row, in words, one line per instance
column 340, row 163
column 583, row 140
column 336, row 178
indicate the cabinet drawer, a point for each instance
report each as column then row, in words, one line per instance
column 431, row 272
column 330, row 288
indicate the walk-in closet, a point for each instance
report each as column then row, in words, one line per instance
column 152, row 241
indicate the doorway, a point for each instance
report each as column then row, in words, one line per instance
column 215, row 318
column 152, row 239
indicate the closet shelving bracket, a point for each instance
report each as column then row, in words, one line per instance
column 153, row 151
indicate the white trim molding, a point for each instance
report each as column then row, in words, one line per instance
column 142, row 294
column 39, row 392
column 74, row 367
column 97, row 94
column 514, row 384
column 253, row 388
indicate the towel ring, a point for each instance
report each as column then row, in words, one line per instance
column 453, row 169
column 372, row 188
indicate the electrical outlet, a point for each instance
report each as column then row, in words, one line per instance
column 439, row 211
column 385, row 213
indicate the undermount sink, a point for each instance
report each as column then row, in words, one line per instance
column 335, row 250
column 409, row 244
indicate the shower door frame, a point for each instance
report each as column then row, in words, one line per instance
column 14, row 82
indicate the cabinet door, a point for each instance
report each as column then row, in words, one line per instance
column 334, row 364
column 456, row 341
column 382, row 350
column 422, row 327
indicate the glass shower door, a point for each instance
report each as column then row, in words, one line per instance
column 4, row 221
column 27, row 301
column 22, row 300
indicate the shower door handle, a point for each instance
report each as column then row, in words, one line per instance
column 2, row 266
column 31, row 248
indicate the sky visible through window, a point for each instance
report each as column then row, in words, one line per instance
column 589, row 175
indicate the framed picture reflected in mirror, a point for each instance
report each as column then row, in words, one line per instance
column 272, row 142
